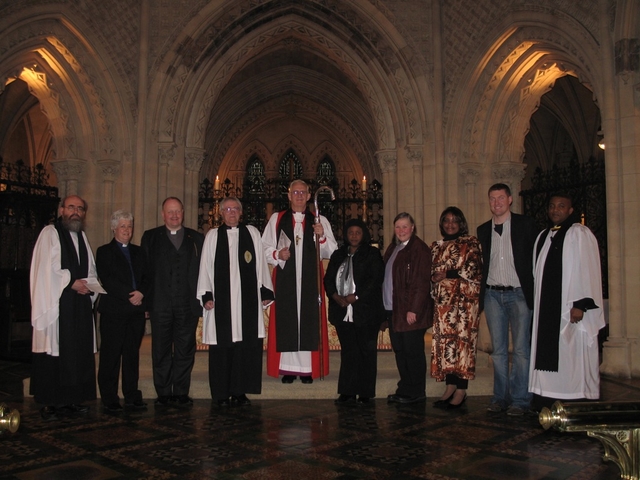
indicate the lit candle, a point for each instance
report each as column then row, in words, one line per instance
column 216, row 184
column 364, row 183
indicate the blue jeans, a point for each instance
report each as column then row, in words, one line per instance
column 505, row 309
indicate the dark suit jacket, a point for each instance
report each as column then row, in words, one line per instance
column 115, row 276
column 523, row 237
column 157, row 249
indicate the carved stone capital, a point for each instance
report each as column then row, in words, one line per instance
column 68, row 169
column 110, row 169
column 193, row 159
column 166, row 153
column 509, row 173
column 387, row 159
column 414, row 154
column 470, row 172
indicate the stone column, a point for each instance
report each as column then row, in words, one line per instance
column 470, row 173
column 110, row 173
column 166, row 154
column 414, row 157
column 388, row 161
column 193, row 160
column 510, row 174
column 69, row 173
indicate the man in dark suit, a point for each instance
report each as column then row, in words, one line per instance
column 121, row 268
column 507, row 298
column 173, row 259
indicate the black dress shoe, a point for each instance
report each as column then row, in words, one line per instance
column 345, row 399
column 240, row 400
column 453, row 406
column 184, row 400
column 363, row 400
column 288, row 378
column 405, row 399
column 417, row 399
column 396, row 398
column 137, row 405
column 306, row 379
column 443, row 402
column 49, row 413
column 74, row 409
column 163, row 400
column 112, row 408
column 223, row 403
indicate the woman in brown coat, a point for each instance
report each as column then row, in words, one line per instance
column 409, row 307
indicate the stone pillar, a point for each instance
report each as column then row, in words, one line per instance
column 470, row 173
column 193, row 160
column 619, row 355
column 414, row 156
column 166, row 154
column 388, row 161
column 69, row 173
column 110, row 173
column 510, row 174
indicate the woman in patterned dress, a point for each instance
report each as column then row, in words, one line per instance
column 456, row 275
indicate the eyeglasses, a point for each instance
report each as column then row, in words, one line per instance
column 299, row 192
column 230, row 209
column 73, row 208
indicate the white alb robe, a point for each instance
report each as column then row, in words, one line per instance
column 47, row 281
column 206, row 283
column 578, row 374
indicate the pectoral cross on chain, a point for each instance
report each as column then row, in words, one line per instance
column 298, row 237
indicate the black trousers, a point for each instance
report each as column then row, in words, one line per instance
column 411, row 361
column 358, row 358
column 121, row 336
column 236, row 369
column 173, row 350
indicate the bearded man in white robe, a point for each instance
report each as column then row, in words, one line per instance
column 567, row 311
column 63, row 273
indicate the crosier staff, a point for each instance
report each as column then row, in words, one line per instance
column 319, row 274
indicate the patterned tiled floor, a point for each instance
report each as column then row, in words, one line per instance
column 300, row 439
column 297, row 439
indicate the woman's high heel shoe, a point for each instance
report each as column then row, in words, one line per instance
column 443, row 402
column 452, row 406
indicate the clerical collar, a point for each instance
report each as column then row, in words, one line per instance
column 123, row 245
column 227, row 227
column 299, row 216
column 173, row 232
column 570, row 220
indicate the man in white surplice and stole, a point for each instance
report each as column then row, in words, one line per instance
column 234, row 286
column 568, row 310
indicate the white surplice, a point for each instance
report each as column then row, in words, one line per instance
column 47, row 281
column 206, row 283
column 578, row 374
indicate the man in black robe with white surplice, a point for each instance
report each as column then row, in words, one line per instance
column 234, row 286
column 63, row 283
column 567, row 312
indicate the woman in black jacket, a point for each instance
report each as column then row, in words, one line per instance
column 353, row 283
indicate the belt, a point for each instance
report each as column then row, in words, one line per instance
column 502, row 288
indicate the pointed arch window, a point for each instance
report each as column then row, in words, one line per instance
column 255, row 179
column 290, row 167
column 326, row 173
